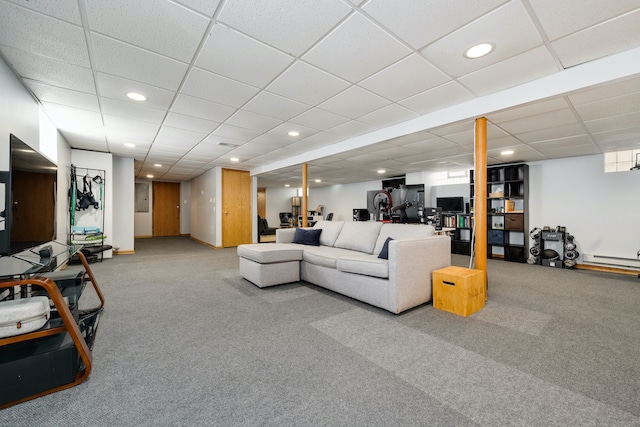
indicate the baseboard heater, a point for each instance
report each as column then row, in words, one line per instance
column 611, row 261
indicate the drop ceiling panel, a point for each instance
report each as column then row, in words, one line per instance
column 511, row 72
column 387, row 116
column 609, row 124
column 319, row 119
column 121, row 59
column 351, row 129
column 282, row 131
column 253, row 121
column 405, row 78
column 272, row 105
column 131, row 110
column 117, row 88
column 579, row 150
column 321, row 139
column 355, row 50
column 423, row 21
column 215, row 88
column 610, row 107
column 509, row 27
column 125, row 130
column 601, row 40
column 541, row 121
column 445, row 95
column 242, row 57
column 206, row 7
column 294, row 84
column 56, row 95
column 168, row 137
column 196, row 107
column 66, row 10
column 40, row 34
column 598, row 93
column 522, row 153
column 195, row 124
column 560, row 18
column 528, row 110
column 138, row 23
column 568, row 142
column 289, row 25
column 75, row 120
column 569, row 130
column 235, row 132
column 354, row 102
column 50, row 71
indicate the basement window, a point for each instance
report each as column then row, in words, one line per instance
column 618, row 161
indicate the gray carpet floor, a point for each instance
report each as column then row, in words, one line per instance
column 185, row 341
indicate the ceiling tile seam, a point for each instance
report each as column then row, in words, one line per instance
column 178, row 92
column 412, row 50
column 92, row 62
column 542, row 33
column 575, row 113
column 191, row 9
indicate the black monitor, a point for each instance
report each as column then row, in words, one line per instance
column 450, row 204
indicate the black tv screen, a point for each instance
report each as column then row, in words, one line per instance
column 450, row 204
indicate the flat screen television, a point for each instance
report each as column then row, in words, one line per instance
column 450, row 204
column 28, row 212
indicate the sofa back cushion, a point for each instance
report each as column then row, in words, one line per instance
column 402, row 231
column 330, row 231
column 359, row 236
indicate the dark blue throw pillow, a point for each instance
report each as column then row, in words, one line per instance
column 384, row 252
column 307, row 237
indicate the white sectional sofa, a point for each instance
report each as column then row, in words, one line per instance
column 346, row 261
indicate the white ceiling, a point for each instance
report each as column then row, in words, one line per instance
column 374, row 84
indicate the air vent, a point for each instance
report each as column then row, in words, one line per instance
column 227, row 144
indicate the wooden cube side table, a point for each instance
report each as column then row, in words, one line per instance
column 459, row 290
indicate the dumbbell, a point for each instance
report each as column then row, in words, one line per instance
column 571, row 255
column 569, row 263
column 532, row 260
column 535, row 251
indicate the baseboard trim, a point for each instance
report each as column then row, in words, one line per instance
column 608, row 269
column 142, row 237
column 127, row 252
column 204, row 243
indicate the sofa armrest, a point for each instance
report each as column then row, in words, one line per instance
column 285, row 235
column 411, row 263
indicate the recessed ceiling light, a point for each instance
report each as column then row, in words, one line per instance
column 479, row 50
column 294, row 133
column 506, row 152
column 136, row 96
column 318, row 180
column 287, row 185
column 381, row 171
column 234, row 159
column 130, row 145
column 158, row 165
column 149, row 176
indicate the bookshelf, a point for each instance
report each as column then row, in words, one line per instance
column 507, row 215
column 461, row 236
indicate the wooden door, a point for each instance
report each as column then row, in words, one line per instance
column 237, row 221
column 166, row 209
column 33, row 206
column 262, row 202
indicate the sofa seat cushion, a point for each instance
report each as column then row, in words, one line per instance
column 324, row 256
column 359, row 236
column 270, row 253
column 369, row 265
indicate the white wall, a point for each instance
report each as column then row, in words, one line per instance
column 83, row 160
column 342, row 199
column 21, row 115
column 278, row 200
column 185, row 208
column 602, row 210
column 203, row 207
column 143, row 221
column 124, row 206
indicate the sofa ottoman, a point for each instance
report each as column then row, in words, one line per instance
column 269, row 265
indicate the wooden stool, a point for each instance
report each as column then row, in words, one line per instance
column 459, row 290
